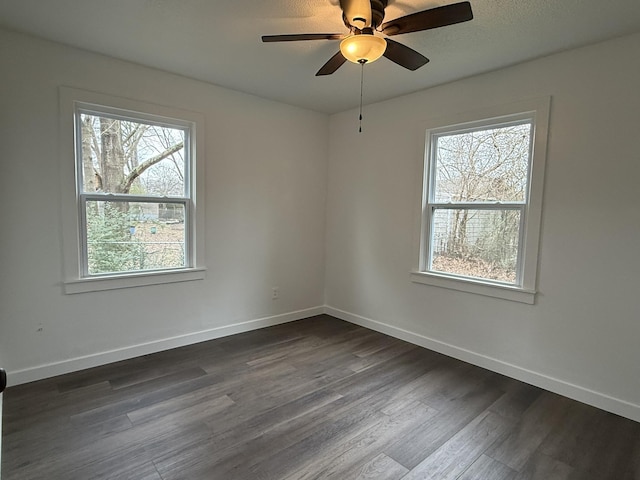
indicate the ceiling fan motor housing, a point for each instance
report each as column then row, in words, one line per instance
column 377, row 14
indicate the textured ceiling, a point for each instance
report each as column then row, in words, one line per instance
column 218, row 41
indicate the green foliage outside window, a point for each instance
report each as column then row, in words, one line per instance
column 111, row 247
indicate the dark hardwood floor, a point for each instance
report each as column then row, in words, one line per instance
column 317, row 398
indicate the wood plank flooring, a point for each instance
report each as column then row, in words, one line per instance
column 313, row 399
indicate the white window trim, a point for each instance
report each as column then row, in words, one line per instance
column 538, row 109
column 74, row 281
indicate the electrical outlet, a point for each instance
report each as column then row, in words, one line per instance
column 275, row 293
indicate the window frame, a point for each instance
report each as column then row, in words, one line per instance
column 524, row 289
column 74, row 102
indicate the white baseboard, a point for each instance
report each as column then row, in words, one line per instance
column 576, row 392
column 80, row 363
column 561, row 387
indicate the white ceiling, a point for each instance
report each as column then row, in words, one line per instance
column 218, row 41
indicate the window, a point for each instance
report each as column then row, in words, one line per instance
column 135, row 193
column 481, row 204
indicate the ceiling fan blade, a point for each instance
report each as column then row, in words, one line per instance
column 332, row 65
column 428, row 19
column 404, row 56
column 357, row 12
column 302, row 36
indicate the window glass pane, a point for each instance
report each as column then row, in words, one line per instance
column 134, row 236
column 476, row 243
column 130, row 157
column 483, row 166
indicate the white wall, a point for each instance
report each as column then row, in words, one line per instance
column 265, row 209
column 582, row 336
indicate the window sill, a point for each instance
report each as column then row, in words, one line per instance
column 514, row 294
column 96, row 284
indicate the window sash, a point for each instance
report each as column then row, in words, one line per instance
column 435, row 134
column 426, row 260
column 186, row 203
column 137, row 117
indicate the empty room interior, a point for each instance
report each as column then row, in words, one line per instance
column 228, row 252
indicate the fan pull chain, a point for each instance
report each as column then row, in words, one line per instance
column 361, row 88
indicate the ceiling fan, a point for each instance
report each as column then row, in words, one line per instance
column 363, row 45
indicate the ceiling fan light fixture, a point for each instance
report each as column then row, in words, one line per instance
column 363, row 48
